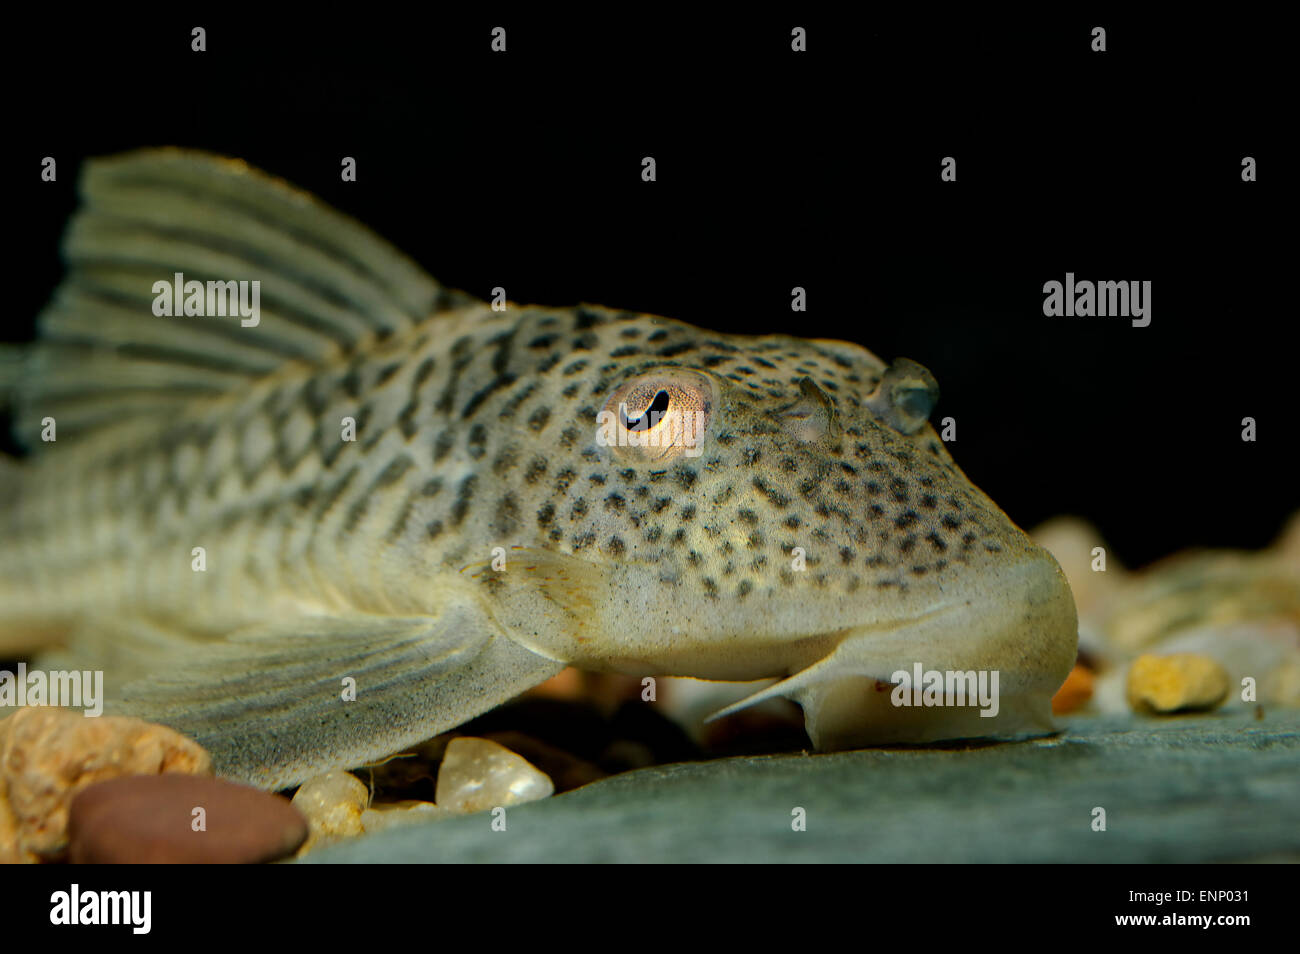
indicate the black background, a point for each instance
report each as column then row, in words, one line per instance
column 778, row 169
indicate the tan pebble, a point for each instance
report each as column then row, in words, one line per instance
column 48, row 755
column 477, row 774
column 333, row 804
column 10, row 853
column 388, row 814
column 1176, row 683
column 1282, row 686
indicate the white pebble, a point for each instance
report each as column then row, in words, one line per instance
column 477, row 774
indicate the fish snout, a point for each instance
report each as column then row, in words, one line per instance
column 984, row 662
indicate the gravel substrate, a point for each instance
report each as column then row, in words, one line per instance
column 1218, row 787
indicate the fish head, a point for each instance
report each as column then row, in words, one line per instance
column 781, row 507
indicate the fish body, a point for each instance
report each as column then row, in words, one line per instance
column 444, row 502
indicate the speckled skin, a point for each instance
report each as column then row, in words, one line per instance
column 476, row 429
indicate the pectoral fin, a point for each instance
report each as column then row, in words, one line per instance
column 275, row 705
column 549, row 600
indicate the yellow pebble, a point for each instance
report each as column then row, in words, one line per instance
column 333, row 804
column 1178, row 683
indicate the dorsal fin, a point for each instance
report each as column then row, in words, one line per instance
column 328, row 286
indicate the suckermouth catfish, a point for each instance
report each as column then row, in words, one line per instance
column 384, row 507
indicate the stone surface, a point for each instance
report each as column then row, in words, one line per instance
column 384, row 815
column 1176, row 683
column 48, row 755
column 478, row 774
column 1201, row 788
column 154, row 819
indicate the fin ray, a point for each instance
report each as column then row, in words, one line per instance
column 328, row 287
column 267, row 702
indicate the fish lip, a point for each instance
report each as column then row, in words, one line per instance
column 1027, row 597
column 1025, row 627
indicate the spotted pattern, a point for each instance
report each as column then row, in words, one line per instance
column 487, row 437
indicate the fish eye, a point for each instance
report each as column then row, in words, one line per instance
column 651, row 416
column 657, row 417
column 906, row 395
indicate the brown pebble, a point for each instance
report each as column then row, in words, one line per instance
column 155, row 819
column 48, row 754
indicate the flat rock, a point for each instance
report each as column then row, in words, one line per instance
column 1218, row 787
column 181, row 819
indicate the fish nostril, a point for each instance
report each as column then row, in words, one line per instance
column 812, row 417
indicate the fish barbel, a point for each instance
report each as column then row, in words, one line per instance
column 388, row 485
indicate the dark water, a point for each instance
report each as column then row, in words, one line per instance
column 776, row 170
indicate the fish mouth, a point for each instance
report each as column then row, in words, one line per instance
column 984, row 663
